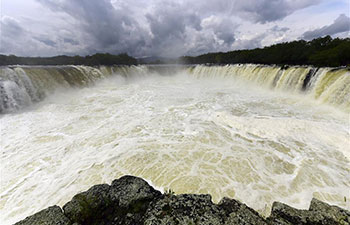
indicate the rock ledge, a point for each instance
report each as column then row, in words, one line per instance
column 132, row 201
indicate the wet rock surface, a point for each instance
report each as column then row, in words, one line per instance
column 132, row 201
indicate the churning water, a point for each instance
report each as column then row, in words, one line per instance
column 217, row 130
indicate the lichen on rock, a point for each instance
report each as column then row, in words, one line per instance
column 132, row 201
column 50, row 216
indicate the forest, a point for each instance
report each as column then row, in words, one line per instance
column 89, row 60
column 319, row 52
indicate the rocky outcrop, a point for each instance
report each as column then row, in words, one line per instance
column 50, row 216
column 319, row 213
column 123, row 202
column 132, row 201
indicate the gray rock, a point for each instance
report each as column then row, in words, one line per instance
column 132, row 201
column 330, row 213
column 133, row 196
column 89, row 206
column 284, row 214
column 239, row 213
column 50, row 216
column 123, row 202
column 129, row 189
column 184, row 209
column 320, row 213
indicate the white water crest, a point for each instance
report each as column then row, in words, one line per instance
column 255, row 133
column 326, row 85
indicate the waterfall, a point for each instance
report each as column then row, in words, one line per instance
column 251, row 132
column 327, row 85
column 21, row 86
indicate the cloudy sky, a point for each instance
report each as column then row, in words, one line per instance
column 167, row 28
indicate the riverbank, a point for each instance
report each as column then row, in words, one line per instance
column 131, row 200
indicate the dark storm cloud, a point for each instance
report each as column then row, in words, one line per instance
column 341, row 24
column 166, row 25
column 223, row 28
column 257, row 11
column 46, row 41
column 10, row 27
column 263, row 11
column 279, row 29
column 168, row 29
column 18, row 39
column 169, row 20
column 70, row 41
column 171, row 26
column 10, row 30
column 148, row 27
column 112, row 29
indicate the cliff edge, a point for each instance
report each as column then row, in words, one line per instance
column 132, row 201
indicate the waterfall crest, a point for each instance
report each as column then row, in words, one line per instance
column 328, row 85
column 21, row 86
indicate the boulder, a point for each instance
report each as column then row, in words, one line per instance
column 329, row 212
column 123, row 202
column 132, row 201
column 133, row 196
column 93, row 206
column 319, row 213
column 184, row 209
column 239, row 213
column 50, row 216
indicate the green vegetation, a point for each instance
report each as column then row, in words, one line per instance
column 323, row 51
column 93, row 60
column 169, row 192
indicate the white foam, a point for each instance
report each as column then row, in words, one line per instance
column 188, row 135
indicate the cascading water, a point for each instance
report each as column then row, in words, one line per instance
column 328, row 85
column 204, row 129
column 22, row 86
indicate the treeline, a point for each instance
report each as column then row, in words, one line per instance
column 90, row 60
column 323, row 51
